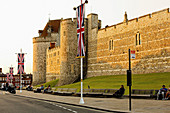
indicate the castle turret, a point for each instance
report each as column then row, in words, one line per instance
column 69, row 65
column 93, row 25
column 40, row 45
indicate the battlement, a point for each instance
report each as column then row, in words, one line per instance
column 43, row 39
column 156, row 14
column 67, row 20
column 53, row 49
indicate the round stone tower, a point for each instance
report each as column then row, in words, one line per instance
column 40, row 45
column 69, row 64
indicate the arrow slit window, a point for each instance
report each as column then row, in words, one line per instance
column 138, row 39
column 111, row 45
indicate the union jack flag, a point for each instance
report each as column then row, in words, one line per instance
column 11, row 72
column 7, row 78
column 20, row 63
column 80, row 30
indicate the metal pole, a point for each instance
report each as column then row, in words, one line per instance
column 131, row 83
column 20, row 83
column 21, row 77
column 81, row 100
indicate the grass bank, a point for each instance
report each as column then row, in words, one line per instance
column 139, row 81
column 51, row 83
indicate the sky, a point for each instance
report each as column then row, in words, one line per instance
column 21, row 19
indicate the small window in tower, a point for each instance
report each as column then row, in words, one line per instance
column 58, row 53
column 139, row 39
column 136, row 39
column 64, row 33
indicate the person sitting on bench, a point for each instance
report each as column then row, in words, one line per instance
column 167, row 96
column 39, row 89
column 161, row 93
column 48, row 88
column 120, row 92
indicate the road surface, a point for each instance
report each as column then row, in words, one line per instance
column 14, row 104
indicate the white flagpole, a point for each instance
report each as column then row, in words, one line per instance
column 81, row 100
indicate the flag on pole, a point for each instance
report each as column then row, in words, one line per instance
column 11, row 72
column 7, row 78
column 80, row 30
column 20, row 63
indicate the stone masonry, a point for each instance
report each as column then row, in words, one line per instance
column 106, row 48
column 148, row 35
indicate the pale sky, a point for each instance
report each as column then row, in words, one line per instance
column 21, row 19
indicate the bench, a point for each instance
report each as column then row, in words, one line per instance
column 65, row 91
column 85, row 92
column 96, row 92
column 155, row 94
column 142, row 93
column 50, row 91
column 109, row 92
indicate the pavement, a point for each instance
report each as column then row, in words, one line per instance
column 104, row 104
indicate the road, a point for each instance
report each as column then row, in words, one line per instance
column 14, row 104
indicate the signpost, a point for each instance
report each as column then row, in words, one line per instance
column 129, row 76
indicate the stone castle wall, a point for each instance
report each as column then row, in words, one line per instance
column 53, row 64
column 92, row 43
column 40, row 45
column 152, row 54
column 106, row 49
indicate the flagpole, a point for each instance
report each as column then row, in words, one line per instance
column 21, row 78
column 81, row 100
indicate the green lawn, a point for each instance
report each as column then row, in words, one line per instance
column 51, row 83
column 139, row 81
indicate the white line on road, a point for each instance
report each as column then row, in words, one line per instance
column 61, row 107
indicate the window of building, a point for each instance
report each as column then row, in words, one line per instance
column 138, row 39
column 111, row 45
column 58, row 53
column 72, row 68
column 55, row 54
